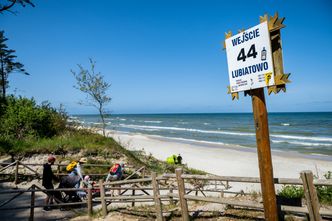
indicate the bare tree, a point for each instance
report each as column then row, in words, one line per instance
column 95, row 87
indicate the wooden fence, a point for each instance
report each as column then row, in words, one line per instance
column 19, row 165
column 178, row 187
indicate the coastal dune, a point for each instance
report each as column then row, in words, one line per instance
column 223, row 160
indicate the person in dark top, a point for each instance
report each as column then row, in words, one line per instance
column 48, row 176
column 179, row 159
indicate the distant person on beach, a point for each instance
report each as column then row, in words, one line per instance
column 174, row 159
column 179, row 159
column 115, row 172
column 171, row 159
column 48, row 176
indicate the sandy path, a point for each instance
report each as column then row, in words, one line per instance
column 25, row 200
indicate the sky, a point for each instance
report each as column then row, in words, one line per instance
column 164, row 56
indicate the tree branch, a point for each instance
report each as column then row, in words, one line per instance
column 4, row 8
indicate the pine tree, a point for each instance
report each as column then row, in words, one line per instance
column 8, row 64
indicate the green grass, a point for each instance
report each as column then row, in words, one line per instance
column 325, row 192
column 291, row 191
column 98, row 150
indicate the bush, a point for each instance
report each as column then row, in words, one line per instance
column 324, row 193
column 22, row 119
column 291, row 191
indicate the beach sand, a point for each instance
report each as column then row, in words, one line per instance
column 224, row 160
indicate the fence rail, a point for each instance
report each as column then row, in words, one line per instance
column 18, row 163
column 56, row 164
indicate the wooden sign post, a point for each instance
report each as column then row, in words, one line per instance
column 255, row 61
column 264, row 154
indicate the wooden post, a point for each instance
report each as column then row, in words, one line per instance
column 143, row 173
column 102, row 197
column 156, row 197
column 89, row 202
column 58, row 170
column 222, row 194
column 32, row 209
column 16, row 172
column 310, row 195
column 171, row 201
column 264, row 154
column 133, row 194
column 182, row 192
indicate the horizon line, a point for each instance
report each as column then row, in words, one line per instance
column 184, row 113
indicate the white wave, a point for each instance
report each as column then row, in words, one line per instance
column 206, row 123
column 122, row 119
column 196, row 141
column 97, row 123
column 285, row 124
column 90, row 122
column 326, row 139
column 151, row 129
column 74, row 121
column 153, row 121
column 302, row 143
column 318, row 154
column 287, row 137
column 185, row 129
column 77, row 121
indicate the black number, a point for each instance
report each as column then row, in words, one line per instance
column 252, row 53
column 241, row 55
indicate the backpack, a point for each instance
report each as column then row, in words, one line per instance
column 114, row 168
column 70, row 167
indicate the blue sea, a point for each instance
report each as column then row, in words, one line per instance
column 306, row 133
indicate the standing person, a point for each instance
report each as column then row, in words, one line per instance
column 48, row 176
column 179, row 159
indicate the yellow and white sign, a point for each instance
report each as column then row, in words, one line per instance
column 249, row 59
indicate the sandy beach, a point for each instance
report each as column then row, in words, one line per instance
column 223, row 160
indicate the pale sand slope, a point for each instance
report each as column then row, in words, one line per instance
column 223, row 160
